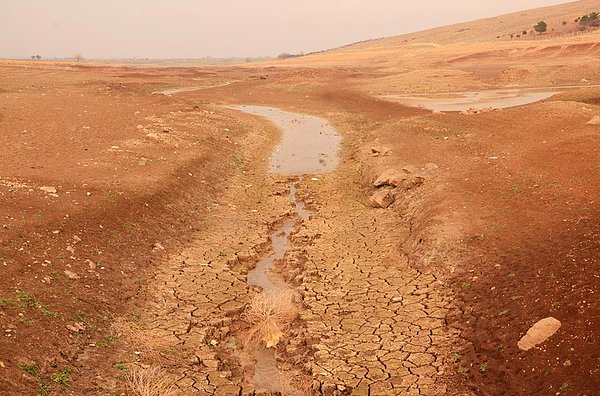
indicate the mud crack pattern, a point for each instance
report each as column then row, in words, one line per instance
column 378, row 325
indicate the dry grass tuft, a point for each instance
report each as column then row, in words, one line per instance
column 270, row 315
column 151, row 381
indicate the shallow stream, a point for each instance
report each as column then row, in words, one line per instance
column 498, row 98
column 309, row 145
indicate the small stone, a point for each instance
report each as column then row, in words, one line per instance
column 390, row 177
column 158, row 247
column 71, row 275
column 539, row 333
column 75, row 327
column 567, row 363
column 49, row 190
column 382, row 199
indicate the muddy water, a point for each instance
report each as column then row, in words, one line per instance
column 499, row 99
column 266, row 374
column 309, row 144
column 173, row 91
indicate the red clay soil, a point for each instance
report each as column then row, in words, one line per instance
column 510, row 220
column 82, row 255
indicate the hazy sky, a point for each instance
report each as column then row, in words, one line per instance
column 221, row 28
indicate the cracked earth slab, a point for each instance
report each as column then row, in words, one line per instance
column 371, row 323
column 377, row 325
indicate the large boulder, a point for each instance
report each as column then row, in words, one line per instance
column 539, row 333
column 382, row 199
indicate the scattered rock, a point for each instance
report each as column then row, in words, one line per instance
column 377, row 151
column 76, row 327
column 594, row 121
column 382, row 199
column 431, row 166
column 390, row 177
column 48, row 189
column 411, row 183
column 91, row 264
column 539, row 333
column 157, row 247
column 71, row 275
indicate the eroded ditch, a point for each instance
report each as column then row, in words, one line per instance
column 308, row 146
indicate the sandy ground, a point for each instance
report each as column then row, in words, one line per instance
column 130, row 221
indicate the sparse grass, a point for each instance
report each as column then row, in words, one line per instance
column 152, row 381
column 121, row 366
column 110, row 196
column 31, row 369
column 5, row 302
column 463, row 369
column 456, row 357
column 28, row 301
column 504, row 312
column 128, row 226
column 483, row 367
column 269, row 315
column 44, row 388
column 62, row 377
column 26, row 320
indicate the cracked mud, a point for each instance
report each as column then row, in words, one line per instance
column 369, row 324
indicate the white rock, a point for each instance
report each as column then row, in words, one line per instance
column 48, row 189
column 71, row 275
column 539, row 333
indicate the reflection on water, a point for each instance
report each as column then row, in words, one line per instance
column 309, row 144
column 499, row 99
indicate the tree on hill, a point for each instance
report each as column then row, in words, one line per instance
column 32, row 57
column 541, row 27
column 590, row 20
column 78, row 57
column 38, row 57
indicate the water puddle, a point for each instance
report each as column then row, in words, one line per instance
column 309, row 144
column 173, row 91
column 497, row 98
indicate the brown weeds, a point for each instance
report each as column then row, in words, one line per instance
column 270, row 315
column 151, row 381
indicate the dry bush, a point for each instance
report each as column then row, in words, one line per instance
column 151, row 381
column 270, row 315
